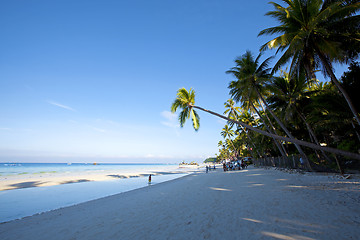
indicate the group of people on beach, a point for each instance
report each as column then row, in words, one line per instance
column 238, row 164
column 209, row 168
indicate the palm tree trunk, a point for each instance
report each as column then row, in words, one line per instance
column 272, row 125
column 312, row 133
column 313, row 140
column 357, row 134
column 232, row 143
column 338, row 85
column 339, row 166
column 251, row 141
column 247, row 135
column 283, row 128
column 293, row 140
column 267, row 128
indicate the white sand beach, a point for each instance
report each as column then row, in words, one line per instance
column 255, row 203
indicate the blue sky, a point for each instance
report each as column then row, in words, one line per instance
column 84, row 80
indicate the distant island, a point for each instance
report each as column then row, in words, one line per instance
column 211, row 160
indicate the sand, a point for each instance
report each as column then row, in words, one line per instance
column 250, row 204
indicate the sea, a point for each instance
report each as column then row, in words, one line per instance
column 8, row 169
column 23, row 202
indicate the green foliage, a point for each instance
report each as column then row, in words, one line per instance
column 312, row 29
column 185, row 100
column 311, row 36
column 349, row 145
column 351, row 82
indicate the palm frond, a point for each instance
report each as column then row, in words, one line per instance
column 195, row 119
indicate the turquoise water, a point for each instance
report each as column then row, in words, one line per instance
column 8, row 169
column 19, row 203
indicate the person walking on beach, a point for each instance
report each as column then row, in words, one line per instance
column 301, row 162
column 150, row 179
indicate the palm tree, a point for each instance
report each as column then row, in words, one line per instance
column 232, row 112
column 247, row 67
column 189, row 103
column 185, row 100
column 247, row 118
column 251, row 77
column 329, row 116
column 315, row 33
column 228, row 133
column 272, row 129
column 288, row 96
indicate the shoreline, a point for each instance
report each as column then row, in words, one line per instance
column 254, row 203
column 11, row 182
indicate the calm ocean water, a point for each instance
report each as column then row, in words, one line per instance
column 7, row 169
column 19, row 203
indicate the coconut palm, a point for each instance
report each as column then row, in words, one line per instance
column 185, row 100
column 289, row 94
column 233, row 112
column 251, row 77
column 315, row 33
column 228, row 133
column 247, row 118
column 180, row 102
column 220, row 143
column 329, row 116
column 272, row 129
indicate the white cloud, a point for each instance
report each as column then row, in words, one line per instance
column 222, row 121
column 170, row 119
column 99, row 129
column 61, row 106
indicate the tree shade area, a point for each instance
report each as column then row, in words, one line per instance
column 283, row 109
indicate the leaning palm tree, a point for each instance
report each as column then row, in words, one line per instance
column 315, row 33
column 185, row 100
column 187, row 103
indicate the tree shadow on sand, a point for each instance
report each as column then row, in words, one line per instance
column 76, row 181
column 128, row 176
column 25, row 185
column 143, row 175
